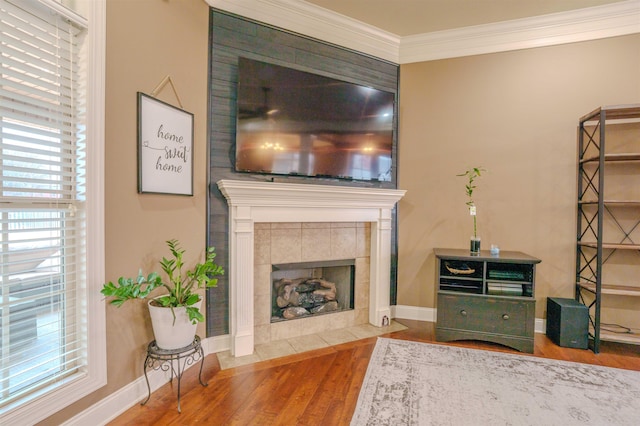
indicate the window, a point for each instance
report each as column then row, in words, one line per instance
column 47, row 310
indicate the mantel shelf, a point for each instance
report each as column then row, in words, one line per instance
column 611, row 246
column 619, row 290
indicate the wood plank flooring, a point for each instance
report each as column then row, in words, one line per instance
column 319, row 387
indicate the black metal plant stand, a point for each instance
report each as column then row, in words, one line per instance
column 173, row 360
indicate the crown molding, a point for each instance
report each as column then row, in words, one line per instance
column 312, row 21
column 592, row 23
column 611, row 20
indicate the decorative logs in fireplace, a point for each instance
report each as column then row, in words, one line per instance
column 300, row 297
column 305, row 289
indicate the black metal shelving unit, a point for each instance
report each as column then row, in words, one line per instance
column 594, row 248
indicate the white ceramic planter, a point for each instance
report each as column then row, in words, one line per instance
column 170, row 335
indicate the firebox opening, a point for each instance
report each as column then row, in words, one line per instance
column 301, row 290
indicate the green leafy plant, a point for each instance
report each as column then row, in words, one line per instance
column 181, row 286
column 472, row 174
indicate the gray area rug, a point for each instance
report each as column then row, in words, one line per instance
column 412, row 383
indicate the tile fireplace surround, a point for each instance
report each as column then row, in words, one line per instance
column 272, row 202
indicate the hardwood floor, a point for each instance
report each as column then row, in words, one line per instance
column 319, row 387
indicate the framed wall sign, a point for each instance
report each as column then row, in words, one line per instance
column 165, row 148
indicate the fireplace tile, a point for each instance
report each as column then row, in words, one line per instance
column 262, row 309
column 261, row 334
column 262, row 280
column 363, row 240
column 286, row 225
column 308, row 343
column 343, row 243
column 286, row 245
column 362, row 278
column 270, row 350
column 274, row 350
column 315, row 324
column 363, row 273
column 362, row 315
column 343, row 224
column 227, row 361
column 316, row 244
column 316, row 225
column 336, row 321
column 288, row 329
column 262, row 246
column 337, row 337
column 341, row 320
column 365, row 331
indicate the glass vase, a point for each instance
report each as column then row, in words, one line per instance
column 475, row 246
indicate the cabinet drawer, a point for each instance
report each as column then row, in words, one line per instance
column 486, row 314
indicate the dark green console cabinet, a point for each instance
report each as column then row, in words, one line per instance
column 489, row 298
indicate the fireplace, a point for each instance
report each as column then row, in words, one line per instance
column 301, row 290
column 257, row 209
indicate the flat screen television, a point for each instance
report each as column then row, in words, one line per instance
column 296, row 123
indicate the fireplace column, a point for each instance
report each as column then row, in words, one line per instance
column 379, row 297
column 241, row 275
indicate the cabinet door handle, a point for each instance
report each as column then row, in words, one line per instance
column 505, row 316
column 463, row 313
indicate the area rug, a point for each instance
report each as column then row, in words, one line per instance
column 412, row 383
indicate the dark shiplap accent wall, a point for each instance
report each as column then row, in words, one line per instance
column 230, row 38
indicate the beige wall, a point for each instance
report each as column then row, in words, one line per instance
column 515, row 114
column 147, row 40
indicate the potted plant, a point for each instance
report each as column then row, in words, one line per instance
column 472, row 174
column 174, row 315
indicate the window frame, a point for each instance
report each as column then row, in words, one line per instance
column 48, row 401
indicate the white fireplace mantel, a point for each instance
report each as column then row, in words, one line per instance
column 251, row 201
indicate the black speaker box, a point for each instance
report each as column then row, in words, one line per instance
column 568, row 323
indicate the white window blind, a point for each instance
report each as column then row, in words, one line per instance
column 42, row 199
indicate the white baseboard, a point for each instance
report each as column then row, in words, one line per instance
column 135, row 392
column 413, row 313
column 430, row 314
column 215, row 344
column 541, row 326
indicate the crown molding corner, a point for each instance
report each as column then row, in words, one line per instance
column 316, row 22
